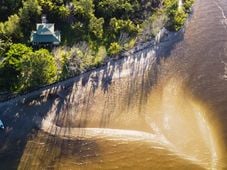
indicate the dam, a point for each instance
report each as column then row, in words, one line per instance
column 163, row 107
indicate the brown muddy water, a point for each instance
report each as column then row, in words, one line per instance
column 163, row 111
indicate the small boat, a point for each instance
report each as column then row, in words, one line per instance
column 1, row 125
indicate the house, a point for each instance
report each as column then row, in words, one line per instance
column 45, row 34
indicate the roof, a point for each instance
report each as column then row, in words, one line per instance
column 51, row 38
column 45, row 34
column 45, row 28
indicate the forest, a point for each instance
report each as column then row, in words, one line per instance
column 92, row 31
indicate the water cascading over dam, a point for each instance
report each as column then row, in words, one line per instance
column 160, row 108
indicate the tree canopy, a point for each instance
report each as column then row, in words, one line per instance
column 90, row 30
column 22, row 69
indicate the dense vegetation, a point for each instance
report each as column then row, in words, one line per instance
column 91, row 30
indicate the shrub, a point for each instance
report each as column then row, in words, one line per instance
column 96, row 26
column 153, row 25
column 46, row 5
column 78, row 59
column 114, row 48
column 100, row 55
column 127, row 26
column 63, row 12
column 170, row 6
column 115, row 8
column 178, row 20
column 188, row 4
column 129, row 45
column 4, row 47
column 84, row 8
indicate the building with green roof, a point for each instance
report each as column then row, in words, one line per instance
column 45, row 34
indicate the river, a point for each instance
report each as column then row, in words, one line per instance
column 163, row 108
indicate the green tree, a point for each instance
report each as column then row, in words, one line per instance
column 23, row 69
column 12, row 67
column 29, row 15
column 43, row 68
